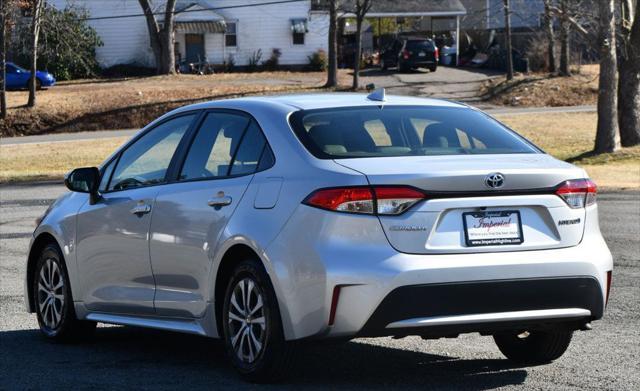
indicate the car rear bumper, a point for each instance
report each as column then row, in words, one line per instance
column 451, row 308
column 336, row 275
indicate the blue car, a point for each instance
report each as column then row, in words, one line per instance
column 19, row 78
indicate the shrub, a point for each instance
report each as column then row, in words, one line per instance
column 318, row 61
column 229, row 64
column 272, row 63
column 254, row 61
column 67, row 45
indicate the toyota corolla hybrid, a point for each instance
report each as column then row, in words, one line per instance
column 268, row 221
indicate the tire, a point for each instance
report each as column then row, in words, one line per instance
column 38, row 85
column 536, row 347
column 433, row 68
column 402, row 68
column 383, row 65
column 54, row 303
column 257, row 350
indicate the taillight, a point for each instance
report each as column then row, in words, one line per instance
column 578, row 193
column 406, row 54
column 381, row 200
column 437, row 53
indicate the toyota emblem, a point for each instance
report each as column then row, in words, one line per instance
column 494, row 180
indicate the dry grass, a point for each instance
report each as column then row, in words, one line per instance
column 570, row 136
column 32, row 162
column 542, row 90
column 132, row 103
column 566, row 136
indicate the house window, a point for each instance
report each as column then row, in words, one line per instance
column 298, row 38
column 231, row 34
column 299, row 29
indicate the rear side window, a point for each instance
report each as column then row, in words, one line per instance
column 226, row 144
column 403, row 131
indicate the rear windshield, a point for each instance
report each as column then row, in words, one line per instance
column 416, row 45
column 403, row 131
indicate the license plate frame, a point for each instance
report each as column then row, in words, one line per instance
column 508, row 238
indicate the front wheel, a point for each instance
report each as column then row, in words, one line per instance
column 535, row 347
column 53, row 300
column 254, row 339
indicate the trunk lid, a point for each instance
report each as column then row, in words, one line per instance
column 455, row 188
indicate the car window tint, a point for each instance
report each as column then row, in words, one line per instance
column 106, row 174
column 416, row 45
column 11, row 69
column 403, row 131
column 249, row 152
column 267, row 160
column 146, row 161
column 215, row 144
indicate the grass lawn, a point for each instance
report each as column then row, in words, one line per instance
column 565, row 136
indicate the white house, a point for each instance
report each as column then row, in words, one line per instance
column 208, row 30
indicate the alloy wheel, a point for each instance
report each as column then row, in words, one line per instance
column 51, row 294
column 247, row 323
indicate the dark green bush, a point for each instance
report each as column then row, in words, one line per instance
column 67, row 45
column 318, row 61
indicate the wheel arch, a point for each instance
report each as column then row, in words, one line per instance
column 232, row 255
column 39, row 243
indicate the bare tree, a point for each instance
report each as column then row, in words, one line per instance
column 361, row 9
column 161, row 38
column 565, row 35
column 548, row 22
column 36, row 17
column 332, row 66
column 607, row 131
column 629, row 76
column 507, row 32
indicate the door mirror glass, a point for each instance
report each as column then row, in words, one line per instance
column 83, row 180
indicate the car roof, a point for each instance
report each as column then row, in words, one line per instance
column 326, row 101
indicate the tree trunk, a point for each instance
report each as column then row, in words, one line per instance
column 607, row 131
column 507, row 32
column 629, row 86
column 551, row 50
column 161, row 40
column 332, row 66
column 358, row 55
column 3, row 68
column 35, row 34
column 565, row 32
column 167, row 38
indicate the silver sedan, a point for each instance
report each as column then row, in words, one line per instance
column 267, row 221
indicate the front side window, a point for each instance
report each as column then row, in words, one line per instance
column 403, row 131
column 146, row 161
column 231, row 34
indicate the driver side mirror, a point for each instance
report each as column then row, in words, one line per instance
column 84, row 180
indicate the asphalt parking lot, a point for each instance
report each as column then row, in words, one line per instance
column 608, row 357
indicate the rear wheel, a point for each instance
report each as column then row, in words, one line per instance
column 53, row 300
column 252, row 326
column 433, row 68
column 535, row 347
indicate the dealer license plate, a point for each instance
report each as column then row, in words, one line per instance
column 492, row 228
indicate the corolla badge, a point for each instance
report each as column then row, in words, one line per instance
column 495, row 180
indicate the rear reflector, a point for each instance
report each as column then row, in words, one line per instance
column 609, row 277
column 578, row 193
column 381, row 200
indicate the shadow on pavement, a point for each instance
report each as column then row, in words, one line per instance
column 134, row 358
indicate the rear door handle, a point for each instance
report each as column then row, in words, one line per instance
column 219, row 201
column 141, row 209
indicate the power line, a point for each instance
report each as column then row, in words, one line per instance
column 196, row 10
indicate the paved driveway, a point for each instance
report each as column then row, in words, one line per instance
column 125, row 357
column 462, row 84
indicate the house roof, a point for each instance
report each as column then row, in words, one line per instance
column 394, row 8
